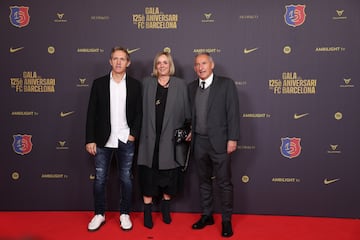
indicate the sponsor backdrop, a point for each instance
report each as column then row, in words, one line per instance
column 296, row 69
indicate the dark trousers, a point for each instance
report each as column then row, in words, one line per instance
column 209, row 165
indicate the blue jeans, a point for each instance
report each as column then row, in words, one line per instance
column 124, row 156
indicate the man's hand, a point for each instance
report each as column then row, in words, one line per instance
column 188, row 138
column 91, row 148
column 131, row 138
column 231, row 146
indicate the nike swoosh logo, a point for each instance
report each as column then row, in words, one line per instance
column 65, row 114
column 298, row 116
column 13, row 50
column 246, row 51
column 327, row 181
column 130, row 51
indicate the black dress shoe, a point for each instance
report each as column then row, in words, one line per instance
column 226, row 229
column 204, row 221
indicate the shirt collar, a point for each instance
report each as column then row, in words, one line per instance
column 112, row 79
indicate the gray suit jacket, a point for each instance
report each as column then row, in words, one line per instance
column 223, row 116
column 177, row 110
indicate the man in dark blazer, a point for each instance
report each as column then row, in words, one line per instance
column 215, row 132
column 113, row 124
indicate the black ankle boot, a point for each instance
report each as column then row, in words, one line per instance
column 148, row 222
column 165, row 210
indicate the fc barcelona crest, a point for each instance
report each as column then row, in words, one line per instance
column 19, row 16
column 290, row 147
column 22, row 144
column 295, row 15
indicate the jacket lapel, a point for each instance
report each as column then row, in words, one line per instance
column 213, row 91
column 151, row 104
column 170, row 102
column 106, row 92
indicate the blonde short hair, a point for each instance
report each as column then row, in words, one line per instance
column 171, row 62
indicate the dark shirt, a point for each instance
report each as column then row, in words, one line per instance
column 160, row 103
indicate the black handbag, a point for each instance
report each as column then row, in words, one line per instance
column 181, row 146
column 182, row 151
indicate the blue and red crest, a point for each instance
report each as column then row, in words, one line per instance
column 22, row 144
column 295, row 15
column 19, row 16
column 290, row 147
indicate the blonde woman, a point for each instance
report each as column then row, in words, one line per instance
column 165, row 108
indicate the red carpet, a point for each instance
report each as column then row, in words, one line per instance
column 73, row 225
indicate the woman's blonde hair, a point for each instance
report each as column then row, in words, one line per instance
column 171, row 62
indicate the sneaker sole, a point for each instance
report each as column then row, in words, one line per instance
column 125, row 229
column 93, row 230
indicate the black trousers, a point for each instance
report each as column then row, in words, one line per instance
column 209, row 165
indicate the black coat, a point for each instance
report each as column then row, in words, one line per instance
column 98, row 125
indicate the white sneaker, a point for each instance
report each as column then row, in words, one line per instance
column 96, row 222
column 125, row 222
